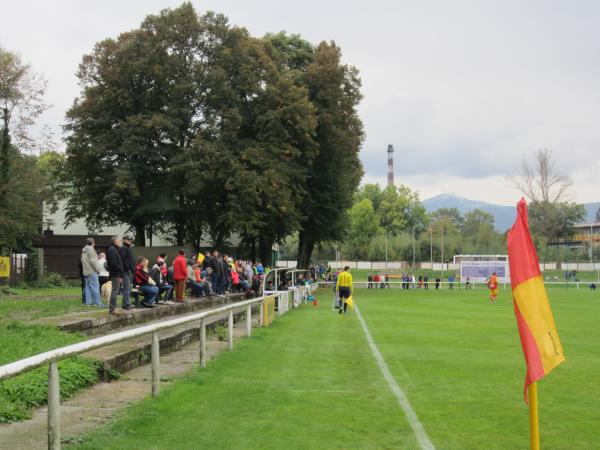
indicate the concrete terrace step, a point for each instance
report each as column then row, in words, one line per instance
column 127, row 355
column 98, row 321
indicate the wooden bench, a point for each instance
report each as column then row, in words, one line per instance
column 135, row 293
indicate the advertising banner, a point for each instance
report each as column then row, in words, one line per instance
column 480, row 271
column 4, row 266
column 268, row 310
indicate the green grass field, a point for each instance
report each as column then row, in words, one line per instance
column 311, row 381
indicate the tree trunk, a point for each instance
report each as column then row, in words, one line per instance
column 265, row 250
column 180, row 223
column 140, row 234
column 4, row 147
column 179, row 233
column 4, row 158
column 306, row 244
column 219, row 241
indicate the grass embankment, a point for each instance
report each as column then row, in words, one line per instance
column 20, row 339
column 308, row 381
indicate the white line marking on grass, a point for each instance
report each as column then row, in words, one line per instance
column 410, row 413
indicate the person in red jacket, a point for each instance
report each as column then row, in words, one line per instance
column 235, row 280
column 163, row 269
column 180, row 274
column 146, row 284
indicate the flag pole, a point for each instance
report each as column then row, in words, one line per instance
column 534, row 425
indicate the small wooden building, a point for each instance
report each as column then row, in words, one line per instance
column 62, row 253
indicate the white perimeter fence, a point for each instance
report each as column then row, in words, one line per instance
column 399, row 265
column 446, row 285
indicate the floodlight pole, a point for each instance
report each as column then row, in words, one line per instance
column 442, row 250
column 386, row 249
column 414, row 245
column 592, row 245
column 431, row 247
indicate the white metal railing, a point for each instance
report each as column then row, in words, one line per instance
column 457, row 284
column 52, row 357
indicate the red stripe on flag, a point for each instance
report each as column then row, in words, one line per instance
column 522, row 257
column 535, row 368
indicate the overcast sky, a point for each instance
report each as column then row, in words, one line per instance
column 462, row 89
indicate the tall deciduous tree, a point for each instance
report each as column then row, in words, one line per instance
column 400, row 210
column 364, row 225
column 21, row 103
column 139, row 112
column 451, row 215
column 552, row 211
column 371, row 191
column 190, row 125
column 478, row 233
column 540, row 182
column 554, row 221
column 265, row 145
column 117, row 150
column 334, row 89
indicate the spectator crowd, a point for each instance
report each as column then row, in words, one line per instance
column 105, row 276
column 413, row 281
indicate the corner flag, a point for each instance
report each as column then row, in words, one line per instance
column 539, row 337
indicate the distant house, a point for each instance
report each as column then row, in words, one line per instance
column 54, row 224
column 584, row 235
column 62, row 244
column 587, row 232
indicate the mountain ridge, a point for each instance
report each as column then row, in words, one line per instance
column 504, row 215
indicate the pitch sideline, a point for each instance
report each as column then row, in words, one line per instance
column 414, row 422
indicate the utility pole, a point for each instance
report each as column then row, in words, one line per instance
column 592, row 245
column 442, row 250
column 431, row 247
column 386, row 249
column 414, row 245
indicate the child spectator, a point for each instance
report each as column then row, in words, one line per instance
column 156, row 273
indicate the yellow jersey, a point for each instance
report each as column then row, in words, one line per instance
column 344, row 280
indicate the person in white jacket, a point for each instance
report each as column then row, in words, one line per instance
column 90, row 269
column 104, row 279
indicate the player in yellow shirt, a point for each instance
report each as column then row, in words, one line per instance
column 493, row 287
column 344, row 287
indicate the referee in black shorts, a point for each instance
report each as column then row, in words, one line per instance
column 344, row 287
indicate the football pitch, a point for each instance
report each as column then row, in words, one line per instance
column 311, row 380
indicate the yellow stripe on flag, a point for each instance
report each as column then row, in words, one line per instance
column 532, row 300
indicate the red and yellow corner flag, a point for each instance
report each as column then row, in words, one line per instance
column 539, row 337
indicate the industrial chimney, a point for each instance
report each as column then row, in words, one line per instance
column 390, row 165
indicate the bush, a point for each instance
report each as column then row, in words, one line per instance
column 51, row 280
column 54, row 280
column 5, row 290
column 19, row 395
column 220, row 331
